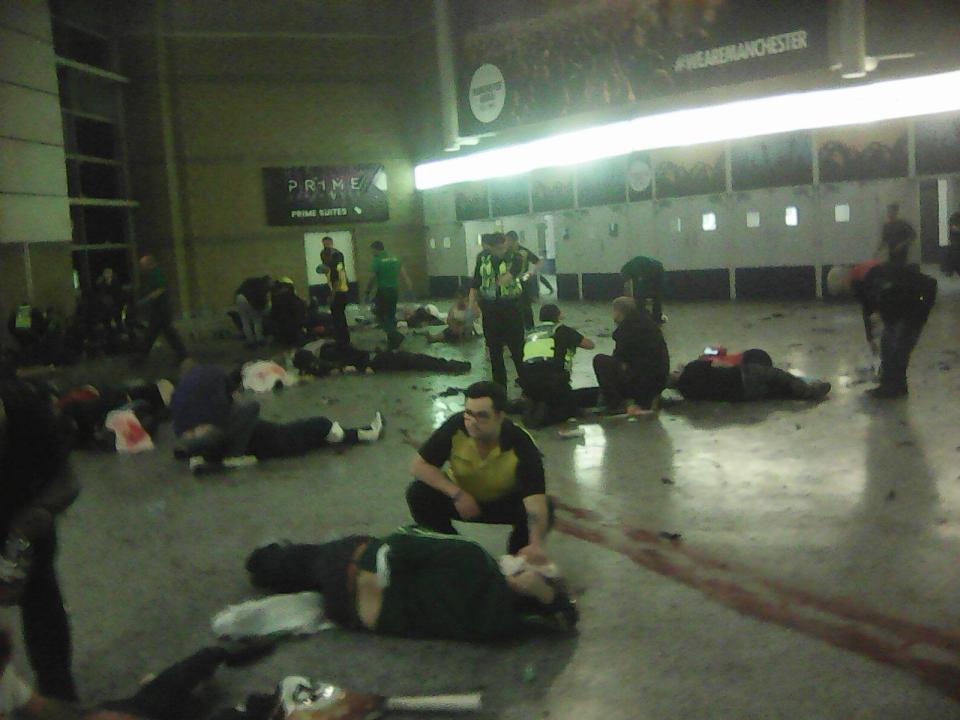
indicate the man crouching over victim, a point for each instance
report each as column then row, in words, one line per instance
column 494, row 475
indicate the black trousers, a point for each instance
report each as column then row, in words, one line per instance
column 291, row 568
column 169, row 695
column 338, row 309
column 531, row 291
column 46, row 630
column 650, row 287
column 395, row 360
column 544, row 382
column 503, row 325
column 896, row 345
column 435, row 511
column 769, row 383
column 161, row 323
column 618, row 383
column 385, row 310
column 277, row 440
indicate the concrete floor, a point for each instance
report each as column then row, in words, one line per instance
column 816, row 577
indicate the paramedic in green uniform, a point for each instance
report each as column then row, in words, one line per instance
column 499, row 292
column 156, row 304
column 386, row 271
column 415, row 583
column 494, row 475
column 643, row 280
column 547, row 366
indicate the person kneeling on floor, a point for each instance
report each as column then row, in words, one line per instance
column 742, row 377
column 495, row 475
column 415, row 583
column 636, row 373
column 548, row 353
column 215, row 427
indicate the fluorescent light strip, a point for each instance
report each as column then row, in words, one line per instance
column 874, row 102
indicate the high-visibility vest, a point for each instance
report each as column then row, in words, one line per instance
column 491, row 268
column 540, row 345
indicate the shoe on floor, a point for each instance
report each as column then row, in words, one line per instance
column 199, row 465
column 819, row 389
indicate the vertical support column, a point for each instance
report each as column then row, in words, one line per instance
column 28, row 273
column 171, row 163
column 446, row 66
column 728, row 173
column 911, row 148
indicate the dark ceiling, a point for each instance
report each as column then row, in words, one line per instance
column 389, row 18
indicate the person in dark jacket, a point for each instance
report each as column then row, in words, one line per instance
column 213, row 426
column 253, row 301
column 742, row 377
column 288, row 313
column 897, row 236
column 36, row 484
column 638, row 369
column 902, row 297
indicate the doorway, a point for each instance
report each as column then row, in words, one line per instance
column 313, row 246
column 929, row 221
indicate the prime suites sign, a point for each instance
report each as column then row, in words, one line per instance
column 326, row 194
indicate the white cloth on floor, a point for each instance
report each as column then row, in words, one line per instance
column 131, row 437
column 294, row 614
column 263, row 375
column 516, row 564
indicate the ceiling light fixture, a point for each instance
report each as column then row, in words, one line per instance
column 886, row 100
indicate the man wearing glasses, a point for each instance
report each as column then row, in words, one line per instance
column 494, row 475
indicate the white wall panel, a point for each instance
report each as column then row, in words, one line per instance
column 30, row 115
column 27, row 167
column 27, row 61
column 774, row 243
column 28, row 16
column 29, row 218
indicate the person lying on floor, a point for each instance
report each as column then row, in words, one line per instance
column 332, row 358
column 459, row 321
column 86, row 408
column 747, row 376
column 214, row 424
column 415, row 583
column 169, row 696
column 548, row 353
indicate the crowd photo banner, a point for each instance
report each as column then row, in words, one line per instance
column 326, row 194
column 528, row 62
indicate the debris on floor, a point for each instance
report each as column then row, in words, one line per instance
column 671, row 536
column 667, row 481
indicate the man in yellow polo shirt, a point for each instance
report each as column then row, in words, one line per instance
column 494, row 475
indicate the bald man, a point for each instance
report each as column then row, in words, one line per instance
column 634, row 376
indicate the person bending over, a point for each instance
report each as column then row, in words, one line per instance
column 252, row 299
column 547, row 366
column 494, row 475
column 643, row 280
column 746, row 376
column 414, row 583
column 212, row 424
column 637, row 371
column 37, row 483
column 897, row 298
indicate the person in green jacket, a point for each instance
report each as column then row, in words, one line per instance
column 386, row 271
column 415, row 583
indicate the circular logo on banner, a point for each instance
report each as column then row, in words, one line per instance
column 488, row 93
column 639, row 176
